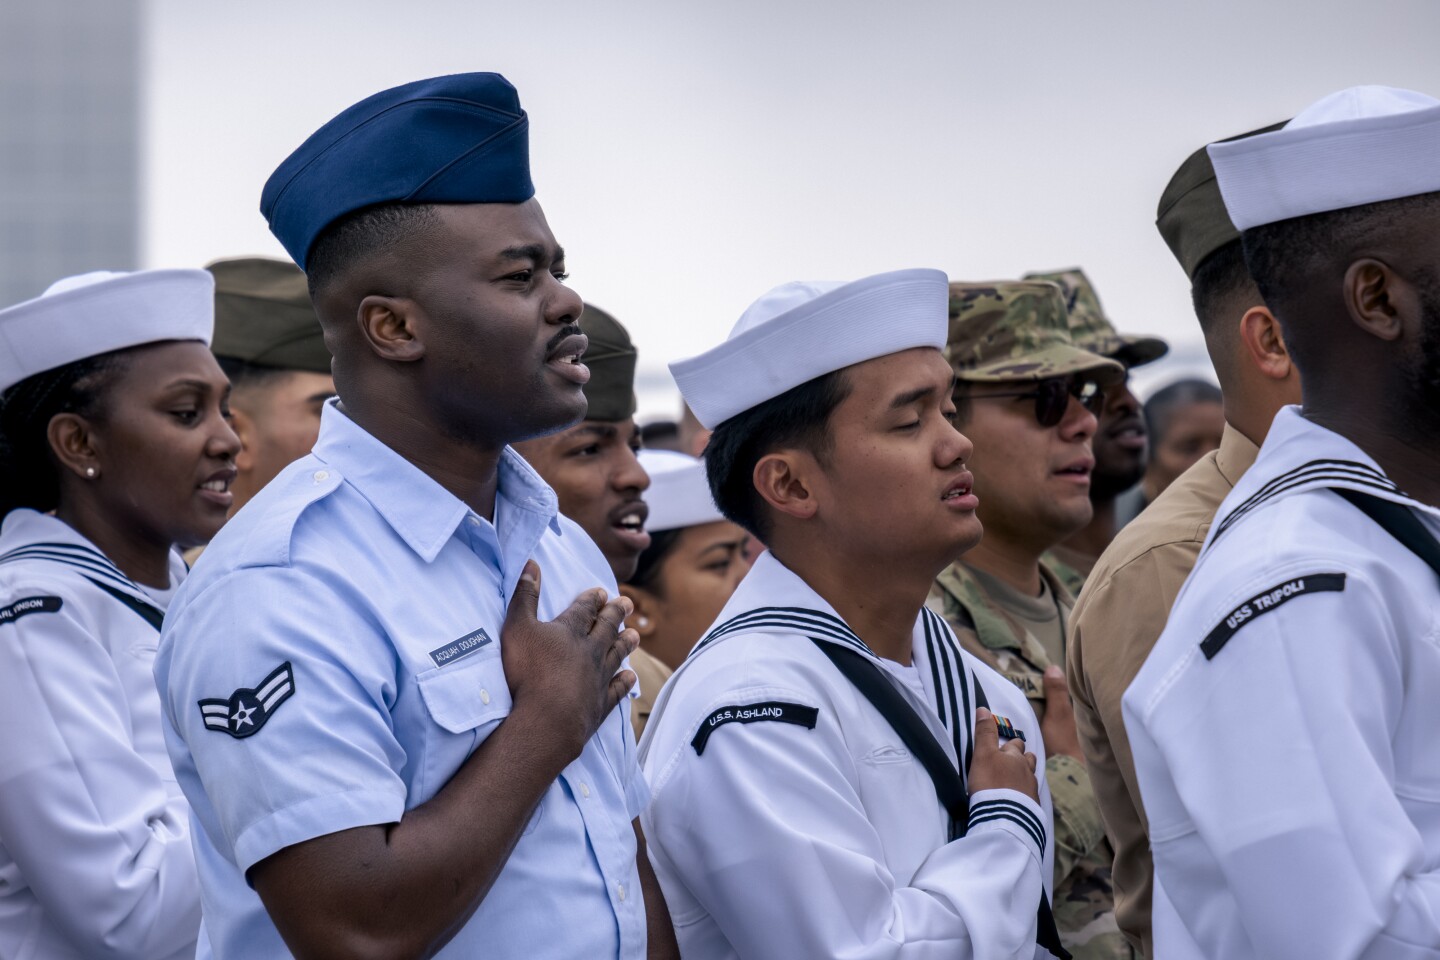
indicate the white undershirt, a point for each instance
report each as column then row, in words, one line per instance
column 161, row 597
column 909, row 676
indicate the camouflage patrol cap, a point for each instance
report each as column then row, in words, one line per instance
column 611, row 359
column 263, row 315
column 1016, row 330
column 1092, row 330
column 1192, row 216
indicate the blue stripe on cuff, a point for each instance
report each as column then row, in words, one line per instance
column 1028, row 830
column 1018, row 814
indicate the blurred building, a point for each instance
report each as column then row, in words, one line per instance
column 69, row 140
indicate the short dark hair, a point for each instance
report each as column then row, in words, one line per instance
column 1285, row 257
column 798, row 417
column 243, row 374
column 1163, row 403
column 1218, row 280
column 362, row 234
column 1290, row 258
column 28, row 473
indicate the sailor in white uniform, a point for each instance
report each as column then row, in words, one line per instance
column 116, row 449
column 1284, row 725
column 821, row 786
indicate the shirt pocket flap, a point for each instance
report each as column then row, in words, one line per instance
column 464, row 696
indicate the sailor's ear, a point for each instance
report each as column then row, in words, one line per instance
column 647, row 611
column 1378, row 299
column 784, row 480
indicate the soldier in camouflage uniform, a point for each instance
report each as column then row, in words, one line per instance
column 1027, row 397
column 1120, row 441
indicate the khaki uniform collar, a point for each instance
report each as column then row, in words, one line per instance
column 1236, row 455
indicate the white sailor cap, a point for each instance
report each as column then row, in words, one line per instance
column 95, row 313
column 679, row 494
column 1361, row 145
column 803, row 330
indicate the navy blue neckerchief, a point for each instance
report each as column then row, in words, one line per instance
column 1399, row 521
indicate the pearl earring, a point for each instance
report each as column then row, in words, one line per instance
column 90, row 472
column 642, row 621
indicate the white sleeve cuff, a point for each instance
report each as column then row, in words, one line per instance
column 1012, row 811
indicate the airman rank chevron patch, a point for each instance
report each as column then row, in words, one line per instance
column 245, row 711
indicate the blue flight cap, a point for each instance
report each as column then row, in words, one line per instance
column 456, row 139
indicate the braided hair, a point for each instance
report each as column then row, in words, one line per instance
column 29, row 472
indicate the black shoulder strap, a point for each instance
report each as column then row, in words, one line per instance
column 883, row 696
column 151, row 615
column 872, row 683
column 1398, row 521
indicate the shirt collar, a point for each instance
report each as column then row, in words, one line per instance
column 422, row 512
column 23, row 526
column 1299, row 456
column 1237, row 454
column 769, row 584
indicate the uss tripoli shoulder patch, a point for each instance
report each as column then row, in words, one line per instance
column 776, row 710
column 245, row 711
column 1262, row 603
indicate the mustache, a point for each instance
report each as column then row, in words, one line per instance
column 566, row 331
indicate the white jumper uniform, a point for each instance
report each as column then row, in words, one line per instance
column 95, row 857
column 1285, row 724
column 789, row 820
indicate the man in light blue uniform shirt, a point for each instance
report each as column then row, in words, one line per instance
column 399, row 735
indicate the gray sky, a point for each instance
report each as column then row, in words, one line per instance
column 692, row 155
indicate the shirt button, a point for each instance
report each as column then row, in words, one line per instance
column 484, row 695
column 621, row 887
column 474, row 520
column 585, row 792
column 322, row 475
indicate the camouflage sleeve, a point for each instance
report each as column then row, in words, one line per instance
column 1078, row 828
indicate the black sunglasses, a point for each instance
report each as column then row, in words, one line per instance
column 1052, row 397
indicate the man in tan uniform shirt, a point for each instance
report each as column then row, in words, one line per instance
column 1128, row 595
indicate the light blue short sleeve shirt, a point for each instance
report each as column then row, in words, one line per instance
column 334, row 659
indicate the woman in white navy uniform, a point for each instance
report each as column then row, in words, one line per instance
column 115, row 448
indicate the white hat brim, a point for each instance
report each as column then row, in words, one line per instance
column 845, row 325
column 103, row 313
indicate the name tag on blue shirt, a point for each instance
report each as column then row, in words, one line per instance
column 459, row 649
